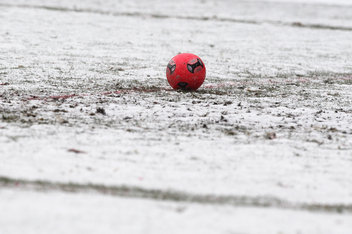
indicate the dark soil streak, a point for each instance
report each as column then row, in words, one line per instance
column 171, row 195
column 122, row 91
column 218, row 88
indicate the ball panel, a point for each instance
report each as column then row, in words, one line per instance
column 171, row 66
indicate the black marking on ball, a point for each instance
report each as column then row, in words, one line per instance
column 192, row 67
column 182, row 85
column 171, row 66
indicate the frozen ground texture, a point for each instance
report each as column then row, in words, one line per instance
column 265, row 146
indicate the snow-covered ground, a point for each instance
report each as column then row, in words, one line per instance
column 90, row 213
column 92, row 139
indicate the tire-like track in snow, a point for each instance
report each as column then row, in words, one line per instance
column 162, row 16
column 171, row 195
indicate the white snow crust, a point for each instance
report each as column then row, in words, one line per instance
column 273, row 120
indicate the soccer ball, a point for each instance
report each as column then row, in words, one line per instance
column 185, row 72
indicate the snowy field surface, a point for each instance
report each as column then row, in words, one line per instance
column 93, row 140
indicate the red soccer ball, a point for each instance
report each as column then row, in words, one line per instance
column 186, row 72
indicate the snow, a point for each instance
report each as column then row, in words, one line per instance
column 91, row 213
column 272, row 121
